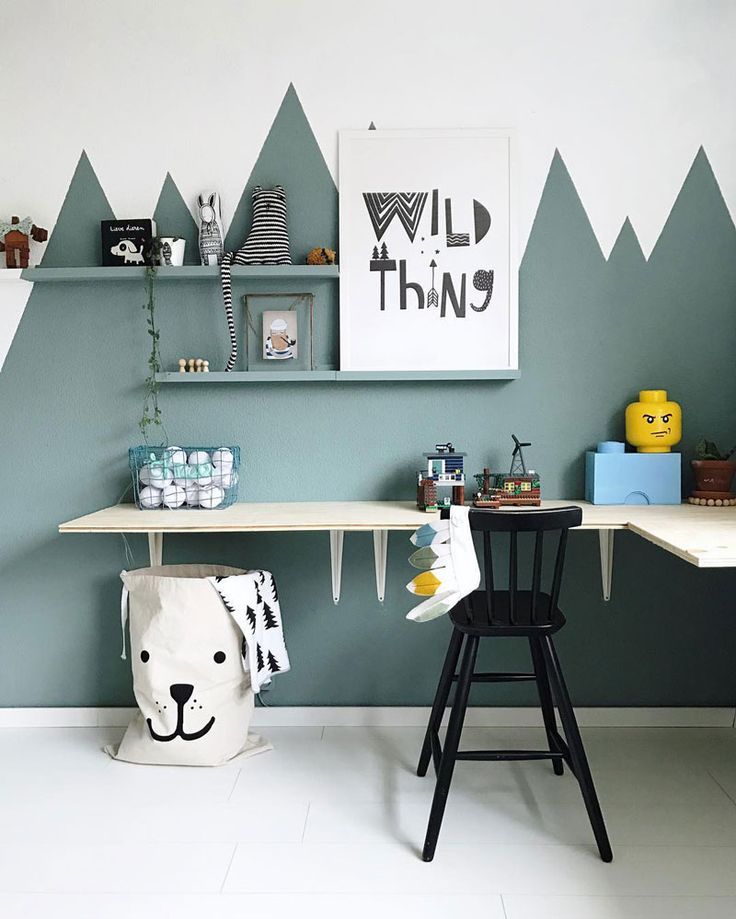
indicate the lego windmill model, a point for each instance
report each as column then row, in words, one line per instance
column 518, row 466
column 519, row 487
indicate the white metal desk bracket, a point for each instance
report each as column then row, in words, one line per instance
column 336, row 541
column 156, row 549
column 380, row 552
column 605, row 539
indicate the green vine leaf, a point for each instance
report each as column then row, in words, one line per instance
column 151, row 414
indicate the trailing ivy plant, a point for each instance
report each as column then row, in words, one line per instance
column 151, row 418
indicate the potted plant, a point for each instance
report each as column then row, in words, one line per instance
column 714, row 471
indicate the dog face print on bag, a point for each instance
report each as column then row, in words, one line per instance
column 187, row 677
column 181, row 694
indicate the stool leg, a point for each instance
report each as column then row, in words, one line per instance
column 545, row 700
column 577, row 751
column 449, row 751
column 440, row 699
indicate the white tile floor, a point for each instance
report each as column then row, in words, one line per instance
column 330, row 824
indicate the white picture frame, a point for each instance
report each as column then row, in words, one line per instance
column 413, row 197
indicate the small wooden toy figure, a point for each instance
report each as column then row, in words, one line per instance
column 193, row 365
column 14, row 240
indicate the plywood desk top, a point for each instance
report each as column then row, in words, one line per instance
column 703, row 536
column 244, row 517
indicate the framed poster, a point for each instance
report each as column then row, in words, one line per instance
column 428, row 273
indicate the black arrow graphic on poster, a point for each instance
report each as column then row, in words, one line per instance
column 433, row 297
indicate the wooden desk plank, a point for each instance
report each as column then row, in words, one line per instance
column 705, row 544
column 702, row 536
column 252, row 518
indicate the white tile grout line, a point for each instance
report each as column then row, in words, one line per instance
column 306, row 818
column 392, row 716
column 724, row 790
column 235, row 784
column 229, row 866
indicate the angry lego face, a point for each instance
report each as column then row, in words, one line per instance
column 653, row 424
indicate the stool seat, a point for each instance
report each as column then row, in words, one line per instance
column 478, row 616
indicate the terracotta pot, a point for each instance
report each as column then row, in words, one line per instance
column 713, row 475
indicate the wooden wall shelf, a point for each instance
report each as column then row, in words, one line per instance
column 184, row 273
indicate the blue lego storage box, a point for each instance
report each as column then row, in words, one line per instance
column 613, row 476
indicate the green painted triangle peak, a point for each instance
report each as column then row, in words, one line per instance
column 561, row 225
column 75, row 240
column 699, row 221
column 627, row 247
column 174, row 218
column 290, row 156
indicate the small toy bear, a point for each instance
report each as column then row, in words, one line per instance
column 321, row 256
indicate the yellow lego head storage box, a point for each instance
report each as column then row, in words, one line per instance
column 653, row 424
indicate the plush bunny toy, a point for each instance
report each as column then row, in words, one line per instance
column 211, row 236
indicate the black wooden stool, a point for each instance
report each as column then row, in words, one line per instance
column 531, row 614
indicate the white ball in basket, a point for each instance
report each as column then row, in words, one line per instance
column 150, row 497
column 174, row 496
column 203, row 480
column 186, row 479
column 223, row 476
column 211, row 496
column 197, row 457
column 223, row 456
column 191, row 490
column 155, row 474
column 175, row 455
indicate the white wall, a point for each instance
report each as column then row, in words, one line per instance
column 627, row 90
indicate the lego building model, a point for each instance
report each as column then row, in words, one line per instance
column 519, row 487
column 444, row 469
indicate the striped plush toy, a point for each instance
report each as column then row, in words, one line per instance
column 267, row 244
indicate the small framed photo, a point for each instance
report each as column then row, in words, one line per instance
column 280, row 342
column 279, row 330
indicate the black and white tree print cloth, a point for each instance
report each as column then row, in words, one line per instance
column 253, row 601
column 267, row 244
